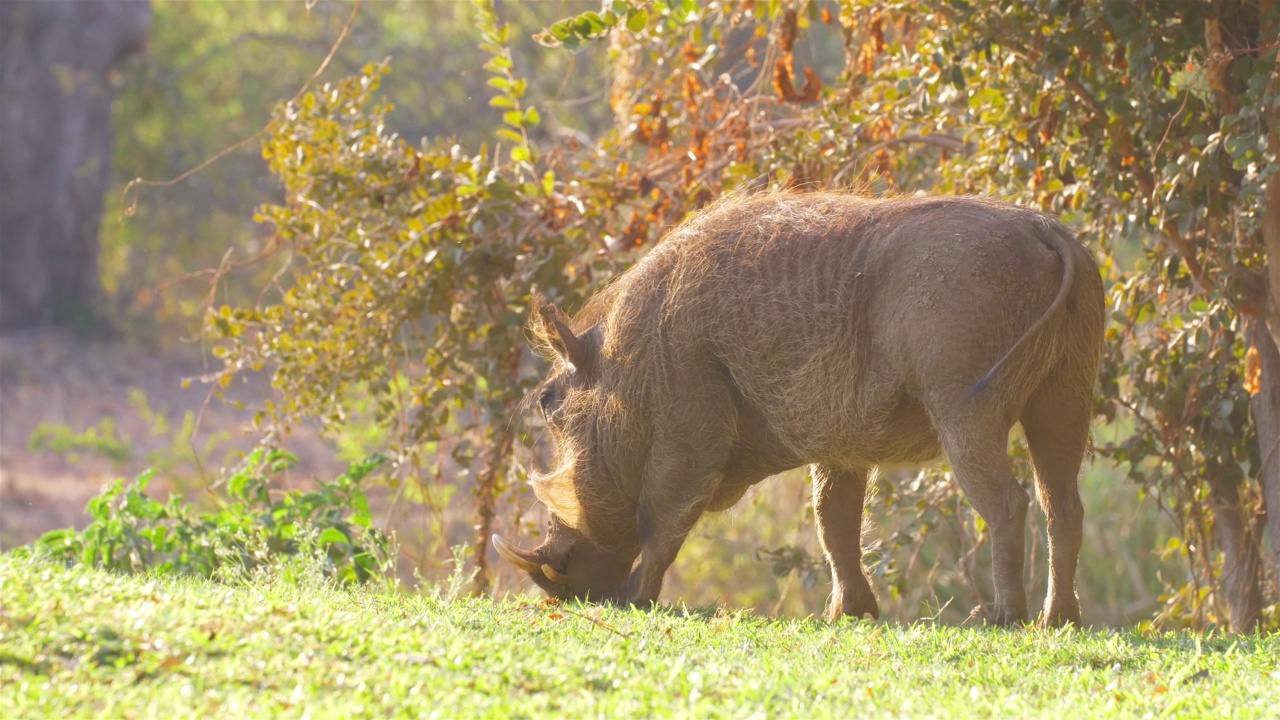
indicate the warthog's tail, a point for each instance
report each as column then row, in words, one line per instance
column 1055, row 237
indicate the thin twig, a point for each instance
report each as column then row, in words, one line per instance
column 596, row 621
column 1155, row 155
column 127, row 209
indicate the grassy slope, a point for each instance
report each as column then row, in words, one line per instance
column 80, row 642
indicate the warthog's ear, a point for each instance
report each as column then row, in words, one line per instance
column 549, row 326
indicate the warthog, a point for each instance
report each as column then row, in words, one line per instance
column 847, row 333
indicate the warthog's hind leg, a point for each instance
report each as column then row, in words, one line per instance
column 979, row 456
column 838, row 497
column 1057, row 431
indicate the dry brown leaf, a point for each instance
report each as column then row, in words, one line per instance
column 1252, row 371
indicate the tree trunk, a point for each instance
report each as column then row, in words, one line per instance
column 1266, row 404
column 1271, row 240
column 1271, row 210
column 1266, row 417
column 1235, row 535
column 55, row 128
column 488, row 489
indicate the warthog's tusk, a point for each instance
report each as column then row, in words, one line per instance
column 554, row 575
column 514, row 555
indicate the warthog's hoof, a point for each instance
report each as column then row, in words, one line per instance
column 1061, row 613
column 1005, row 616
column 853, row 602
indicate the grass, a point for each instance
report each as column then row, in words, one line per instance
column 77, row 642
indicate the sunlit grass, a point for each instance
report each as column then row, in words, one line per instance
column 79, row 642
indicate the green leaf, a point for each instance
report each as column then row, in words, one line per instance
column 238, row 484
column 498, row 64
column 590, row 24
column 509, row 134
column 561, row 30
column 637, row 20
column 333, row 536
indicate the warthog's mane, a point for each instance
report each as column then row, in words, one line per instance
column 575, row 490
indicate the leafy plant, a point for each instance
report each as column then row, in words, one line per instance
column 132, row 532
column 97, row 440
column 413, row 272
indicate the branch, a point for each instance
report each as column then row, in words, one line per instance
column 1170, row 236
column 1032, row 57
column 945, row 141
column 127, row 208
column 1083, row 95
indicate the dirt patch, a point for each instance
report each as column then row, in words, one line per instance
column 51, row 379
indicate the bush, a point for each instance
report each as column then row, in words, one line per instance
column 132, row 532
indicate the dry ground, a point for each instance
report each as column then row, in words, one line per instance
column 49, row 377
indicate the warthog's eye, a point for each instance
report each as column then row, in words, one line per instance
column 546, row 400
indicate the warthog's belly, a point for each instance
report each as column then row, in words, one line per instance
column 901, row 434
column 905, row 436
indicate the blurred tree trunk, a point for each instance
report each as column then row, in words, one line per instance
column 1236, row 535
column 1266, row 402
column 1238, row 532
column 1266, row 414
column 55, row 130
column 1271, row 238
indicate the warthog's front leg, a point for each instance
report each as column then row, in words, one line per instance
column 660, row 544
column 838, row 497
column 682, row 476
column 668, row 510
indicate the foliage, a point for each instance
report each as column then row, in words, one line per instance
column 78, row 641
column 329, row 527
column 413, row 272
column 97, row 440
column 179, row 458
column 575, row 32
column 176, row 455
column 213, row 71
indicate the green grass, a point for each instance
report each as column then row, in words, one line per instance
column 86, row 643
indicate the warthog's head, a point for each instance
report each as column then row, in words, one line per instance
column 569, row 566
column 591, row 539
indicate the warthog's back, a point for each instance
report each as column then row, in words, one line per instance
column 836, row 316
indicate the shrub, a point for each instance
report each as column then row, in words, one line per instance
column 132, row 532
